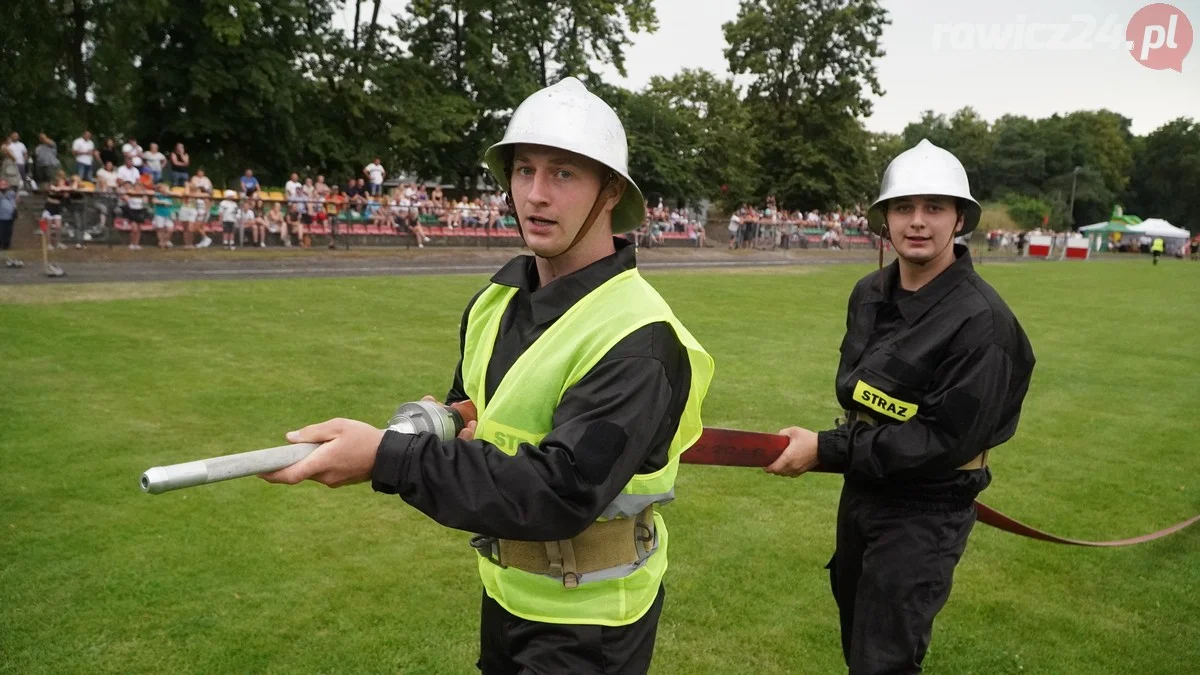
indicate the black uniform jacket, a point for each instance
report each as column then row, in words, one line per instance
column 615, row 422
column 942, row 370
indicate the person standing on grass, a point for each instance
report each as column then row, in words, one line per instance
column 587, row 389
column 135, row 212
column 247, row 220
column 8, row 214
column 164, row 205
column 228, row 212
column 934, row 369
column 1156, row 249
column 188, row 216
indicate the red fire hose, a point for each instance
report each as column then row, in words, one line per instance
column 731, row 447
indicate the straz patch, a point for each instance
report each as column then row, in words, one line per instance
column 880, row 402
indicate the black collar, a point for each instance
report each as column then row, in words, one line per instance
column 552, row 301
column 913, row 307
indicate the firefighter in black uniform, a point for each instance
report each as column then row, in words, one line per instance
column 933, row 371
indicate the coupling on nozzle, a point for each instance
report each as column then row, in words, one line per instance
column 427, row 417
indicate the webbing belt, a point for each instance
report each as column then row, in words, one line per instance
column 604, row 545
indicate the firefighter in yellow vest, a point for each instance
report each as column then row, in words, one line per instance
column 1156, row 249
column 588, row 389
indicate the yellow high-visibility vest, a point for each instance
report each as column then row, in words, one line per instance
column 522, row 410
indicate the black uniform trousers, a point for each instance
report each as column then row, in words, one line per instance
column 891, row 574
column 509, row 644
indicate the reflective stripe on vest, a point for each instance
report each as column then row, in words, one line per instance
column 522, row 411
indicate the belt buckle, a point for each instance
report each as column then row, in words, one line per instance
column 488, row 547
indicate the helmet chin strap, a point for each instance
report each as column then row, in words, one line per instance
column 597, row 206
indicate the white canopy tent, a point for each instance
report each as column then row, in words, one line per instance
column 1157, row 227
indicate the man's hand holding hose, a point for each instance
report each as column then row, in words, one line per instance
column 346, row 454
column 800, row 455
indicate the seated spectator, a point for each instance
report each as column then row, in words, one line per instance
column 312, row 200
column 128, row 174
column 249, row 183
column 470, row 213
column 418, row 232
column 451, row 216
column 106, row 178
column 293, row 225
column 336, row 203
column 201, row 183
column 381, row 214
column 493, row 218
column 358, row 203
column 291, row 189
column 276, row 224
column 656, row 233
column 247, row 220
column 322, row 188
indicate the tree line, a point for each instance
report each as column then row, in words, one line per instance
column 281, row 86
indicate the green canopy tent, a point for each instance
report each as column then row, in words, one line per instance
column 1100, row 234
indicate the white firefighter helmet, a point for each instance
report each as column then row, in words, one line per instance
column 925, row 170
column 567, row 116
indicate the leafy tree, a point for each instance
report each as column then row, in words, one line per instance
column 1166, row 174
column 811, row 69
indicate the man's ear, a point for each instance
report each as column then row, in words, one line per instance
column 616, row 190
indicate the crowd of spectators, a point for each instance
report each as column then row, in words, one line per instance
column 772, row 228
column 136, row 188
column 131, row 185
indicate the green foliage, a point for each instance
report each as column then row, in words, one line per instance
column 811, row 70
column 1165, row 180
column 1028, row 212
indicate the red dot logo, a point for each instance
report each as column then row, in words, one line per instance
column 1159, row 36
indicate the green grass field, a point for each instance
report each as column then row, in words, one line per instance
column 102, row 382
